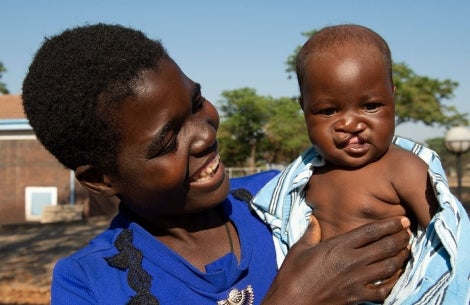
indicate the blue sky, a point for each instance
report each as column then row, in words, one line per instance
column 226, row 45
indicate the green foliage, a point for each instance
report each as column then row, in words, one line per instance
column 417, row 98
column 286, row 132
column 3, row 87
column 243, row 117
column 256, row 130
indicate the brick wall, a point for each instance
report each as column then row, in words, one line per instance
column 27, row 163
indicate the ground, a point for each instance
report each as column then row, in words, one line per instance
column 28, row 253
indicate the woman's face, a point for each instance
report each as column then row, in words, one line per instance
column 168, row 157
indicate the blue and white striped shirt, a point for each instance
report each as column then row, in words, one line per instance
column 439, row 269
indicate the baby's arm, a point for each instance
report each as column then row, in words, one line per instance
column 412, row 183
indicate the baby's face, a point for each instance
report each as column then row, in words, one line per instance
column 348, row 103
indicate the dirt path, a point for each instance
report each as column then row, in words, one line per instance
column 29, row 252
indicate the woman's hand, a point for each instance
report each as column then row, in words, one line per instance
column 339, row 270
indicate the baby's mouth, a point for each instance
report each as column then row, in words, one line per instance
column 208, row 172
column 355, row 142
column 355, row 145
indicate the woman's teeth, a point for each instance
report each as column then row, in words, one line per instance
column 208, row 172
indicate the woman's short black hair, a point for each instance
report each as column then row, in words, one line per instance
column 76, row 82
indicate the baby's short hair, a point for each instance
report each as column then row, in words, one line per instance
column 332, row 37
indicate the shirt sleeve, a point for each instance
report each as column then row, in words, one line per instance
column 70, row 285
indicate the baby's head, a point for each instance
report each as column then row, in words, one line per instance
column 347, row 94
column 333, row 39
column 76, row 84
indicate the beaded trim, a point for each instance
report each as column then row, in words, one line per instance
column 242, row 195
column 130, row 258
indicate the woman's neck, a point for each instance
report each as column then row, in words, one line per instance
column 200, row 238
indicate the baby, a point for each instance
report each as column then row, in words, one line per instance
column 356, row 170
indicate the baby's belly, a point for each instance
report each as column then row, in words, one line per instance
column 342, row 219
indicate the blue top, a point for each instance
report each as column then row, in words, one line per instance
column 127, row 265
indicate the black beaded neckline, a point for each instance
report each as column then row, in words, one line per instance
column 130, row 258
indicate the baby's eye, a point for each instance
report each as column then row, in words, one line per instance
column 372, row 107
column 327, row 111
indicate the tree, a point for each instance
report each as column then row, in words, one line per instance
column 257, row 129
column 244, row 115
column 417, row 98
column 3, row 87
column 286, row 131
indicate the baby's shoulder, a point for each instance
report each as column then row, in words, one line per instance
column 400, row 157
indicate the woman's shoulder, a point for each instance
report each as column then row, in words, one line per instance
column 253, row 182
column 97, row 247
column 244, row 188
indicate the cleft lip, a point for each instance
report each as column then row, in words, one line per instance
column 352, row 139
column 354, row 144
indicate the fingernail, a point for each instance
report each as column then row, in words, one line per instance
column 405, row 222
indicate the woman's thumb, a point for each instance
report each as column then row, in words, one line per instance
column 313, row 233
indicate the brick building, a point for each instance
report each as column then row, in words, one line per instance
column 31, row 177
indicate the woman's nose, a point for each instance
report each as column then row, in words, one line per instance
column 203, row 129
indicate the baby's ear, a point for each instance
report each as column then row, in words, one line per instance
column 301, row 102
column 94, row 180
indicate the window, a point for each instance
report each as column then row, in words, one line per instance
column 37, row 198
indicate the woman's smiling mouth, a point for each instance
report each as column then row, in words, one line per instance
column 208, row 172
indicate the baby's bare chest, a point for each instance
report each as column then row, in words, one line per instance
column 363, row 193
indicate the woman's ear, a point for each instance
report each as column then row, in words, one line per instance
column 94, row 180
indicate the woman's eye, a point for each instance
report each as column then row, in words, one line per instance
column 169, row 147
column 198, row 103
column 166, row 148
column 165, row 142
